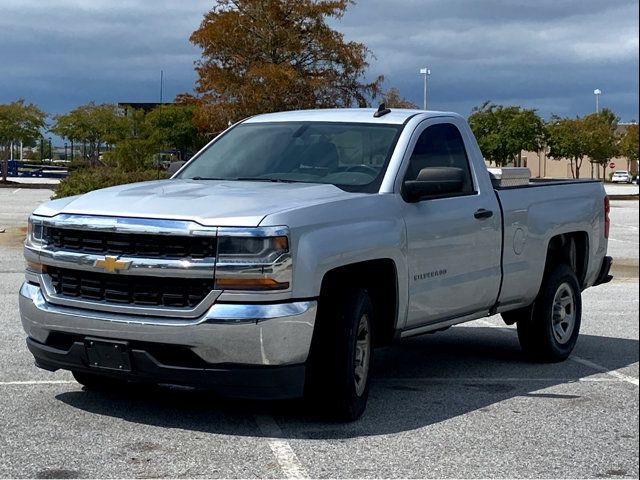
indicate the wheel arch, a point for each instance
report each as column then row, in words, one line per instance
column 379, row 277
column 572, row 249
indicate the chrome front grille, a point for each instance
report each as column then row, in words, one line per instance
column 131, row 244
column 129, row 289
column 119, row 265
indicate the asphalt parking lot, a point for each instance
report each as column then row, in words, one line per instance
column 462, row 403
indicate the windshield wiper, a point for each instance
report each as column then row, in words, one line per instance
column 207, row 178
column 267, row 179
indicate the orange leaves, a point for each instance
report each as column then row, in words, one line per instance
column 269, row 55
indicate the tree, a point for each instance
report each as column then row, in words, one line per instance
column 172, row 126
column 44, row 149
column 131, row 154
column 566, row 138
column 163, row 128
column 94, row 125
column 269, row 55
column 601, row 139
column 504, row 132
column 19, row 121
column 393, row 99
column 629, row 146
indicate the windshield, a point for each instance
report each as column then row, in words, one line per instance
column 352, row 156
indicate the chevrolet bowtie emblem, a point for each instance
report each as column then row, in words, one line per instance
column 112, row 264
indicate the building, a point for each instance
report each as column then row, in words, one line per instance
column 543, row 166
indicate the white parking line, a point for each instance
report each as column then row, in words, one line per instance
column 285, row 456
column 623, row 241
column 613, row 373
column 621, row 225
column 458, row 380
column 38, row 382
column 580, row 360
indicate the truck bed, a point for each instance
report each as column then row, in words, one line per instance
column 535, row 213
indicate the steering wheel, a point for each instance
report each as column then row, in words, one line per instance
column 362, row 168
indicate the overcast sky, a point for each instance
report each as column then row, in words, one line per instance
column 544, row 54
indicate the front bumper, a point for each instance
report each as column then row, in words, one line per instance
column 236, row 345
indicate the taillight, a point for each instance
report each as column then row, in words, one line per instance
column 607, row 220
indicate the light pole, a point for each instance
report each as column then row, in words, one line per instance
column 426, row 72
column 597, row 92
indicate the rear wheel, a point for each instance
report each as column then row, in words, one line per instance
column 551, row 331
column 341, row 356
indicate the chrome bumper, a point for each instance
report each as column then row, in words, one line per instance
column 244, row 334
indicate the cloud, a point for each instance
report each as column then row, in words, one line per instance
column 547, row 54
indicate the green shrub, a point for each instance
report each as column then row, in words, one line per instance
column 87, row 179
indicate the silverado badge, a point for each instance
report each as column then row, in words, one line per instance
column 112, row 264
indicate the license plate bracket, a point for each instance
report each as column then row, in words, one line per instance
column 108, row 354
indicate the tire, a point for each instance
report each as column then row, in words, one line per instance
column 341, row 356
column 550, row 333
column 99, row 383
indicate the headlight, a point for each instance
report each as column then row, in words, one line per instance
column 35, row 232
column 35, row 238
column 253, row 263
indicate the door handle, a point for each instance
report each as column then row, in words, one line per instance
column 483, row 213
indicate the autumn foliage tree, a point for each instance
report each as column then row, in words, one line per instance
column 393, row 99
column 269, row 55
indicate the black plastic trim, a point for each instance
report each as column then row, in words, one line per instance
column 241, row 381
column 604, row 276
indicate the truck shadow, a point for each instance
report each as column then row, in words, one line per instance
column 423, row 381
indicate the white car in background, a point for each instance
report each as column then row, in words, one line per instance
column 621, row 176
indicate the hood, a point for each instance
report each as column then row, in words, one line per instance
column 208, row 202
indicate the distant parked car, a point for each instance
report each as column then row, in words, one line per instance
column 621, row 176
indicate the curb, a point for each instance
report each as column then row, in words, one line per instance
column 43, row 186
column 624, row 197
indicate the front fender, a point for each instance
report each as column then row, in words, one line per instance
column 329, row 236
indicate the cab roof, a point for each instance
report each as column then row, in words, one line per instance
column 396, row 116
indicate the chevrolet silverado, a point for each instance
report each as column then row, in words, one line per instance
column 274, row 261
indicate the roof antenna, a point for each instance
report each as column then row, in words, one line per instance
column 382, row 110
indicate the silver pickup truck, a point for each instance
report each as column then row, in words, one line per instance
column 294, row 243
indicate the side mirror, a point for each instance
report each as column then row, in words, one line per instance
column 433, row 181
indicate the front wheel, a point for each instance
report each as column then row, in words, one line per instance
column 341, row 355
column 550, row 333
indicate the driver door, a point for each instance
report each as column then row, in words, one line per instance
column 453, row 251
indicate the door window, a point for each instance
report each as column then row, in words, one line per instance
column 441, row 145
